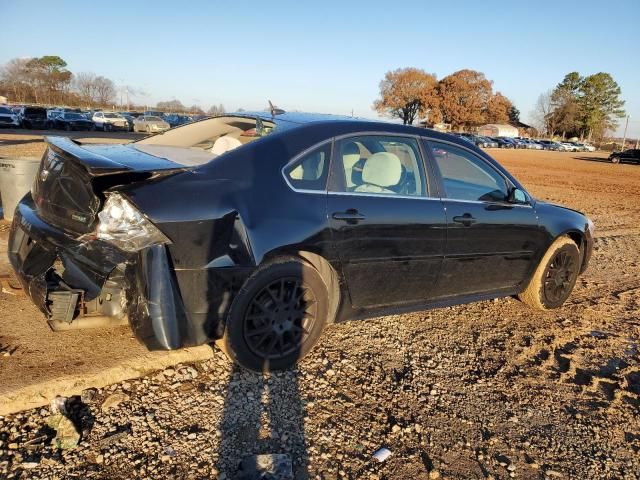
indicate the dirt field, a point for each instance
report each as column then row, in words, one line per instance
column 486, row 390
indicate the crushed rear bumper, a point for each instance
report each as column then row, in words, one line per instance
column 89, row 277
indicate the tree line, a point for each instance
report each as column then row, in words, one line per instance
column 585, row 107
column 47, row 81
column 463, row 99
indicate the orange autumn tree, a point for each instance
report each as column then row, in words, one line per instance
column 406, row 93
column 498, row 109
column 464, row 96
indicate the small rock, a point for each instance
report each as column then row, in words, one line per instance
column 433, row 474
column 192, row 436
column 511, row 467
column 396, row 428
column 13, row 446
column 67, row 435
column 88, row 395
column 114, row 400
column 29, row 465
column 553, row 473
column 100, row 459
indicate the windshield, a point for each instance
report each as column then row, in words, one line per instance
column 153, row 119
column 73, row 116
column 5, row 110
column 112, row 115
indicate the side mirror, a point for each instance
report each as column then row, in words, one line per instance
column 517, row 196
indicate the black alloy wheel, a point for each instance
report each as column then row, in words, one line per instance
column 277, row 316
column 560, row 276
column 280, row 318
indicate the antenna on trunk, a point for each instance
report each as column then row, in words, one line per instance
column 275, row 110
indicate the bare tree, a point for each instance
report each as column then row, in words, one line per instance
column 85, row 86
column 542, row 114
column 105, row 90
column 14, row 76
column 216, row 110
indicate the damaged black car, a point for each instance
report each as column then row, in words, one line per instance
column 258, row 230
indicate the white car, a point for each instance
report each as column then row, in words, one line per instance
column 567, row 147
column 109, row 121
column 8, row 118
column 589, row 148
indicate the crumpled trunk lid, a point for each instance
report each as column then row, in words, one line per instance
column 69, row 187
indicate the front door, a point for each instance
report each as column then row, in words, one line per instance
column 491, row 242
column 388, row 231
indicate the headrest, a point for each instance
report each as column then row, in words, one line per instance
column 383, row 169
column 225, row 144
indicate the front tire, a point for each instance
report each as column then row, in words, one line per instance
column 614, row 159
column 555, row 276
column 277, row 316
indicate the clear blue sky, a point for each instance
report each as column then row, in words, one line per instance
column 327, row 56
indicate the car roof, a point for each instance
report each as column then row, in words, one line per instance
column 345, row 124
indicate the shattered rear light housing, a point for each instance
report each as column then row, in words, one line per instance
column 124, row 226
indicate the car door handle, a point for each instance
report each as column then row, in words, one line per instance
column 466, row 219
column 350, row 216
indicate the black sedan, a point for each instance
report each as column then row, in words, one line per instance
column 256, row 231
column 632, row 156
column 72, row 121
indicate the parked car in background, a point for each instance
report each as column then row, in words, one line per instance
column 150, row 124
column 569, row 147
column 8, row 118
column 502, row 143
column 154, row 113
column 489, row 142
column 589, row 147
column 219, row 230
column 549, row 144
column 129, row 120
column 71, row 121
column 632, row 155
column 32, row 117
column 174, row 119
column 109, row 121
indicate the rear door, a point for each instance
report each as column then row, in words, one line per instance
column 491, row 243
column 387, row 229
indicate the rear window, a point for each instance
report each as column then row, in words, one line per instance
column 5, row 110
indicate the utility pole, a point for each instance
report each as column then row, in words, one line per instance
column 624, row 138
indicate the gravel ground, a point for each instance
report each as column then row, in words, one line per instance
column 486, row 390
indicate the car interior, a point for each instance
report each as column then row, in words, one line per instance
column 378, row 164
column 200, row 142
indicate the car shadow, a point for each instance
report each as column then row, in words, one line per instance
column 593, row 159
column 262, row 415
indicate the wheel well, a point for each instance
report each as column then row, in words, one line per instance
column 326, row 271
column 578, row 239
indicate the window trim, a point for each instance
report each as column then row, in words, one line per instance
column 283, row 170
column 443, row 193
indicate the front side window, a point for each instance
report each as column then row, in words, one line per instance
column 379, row 164
column 467, row 177
column 310, row 172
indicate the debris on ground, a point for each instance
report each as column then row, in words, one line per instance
column 273, row 466
column 67, row 435
column 113, row 400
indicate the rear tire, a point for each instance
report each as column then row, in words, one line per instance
column 277, row 316
column 555, row 276
column 614, row 159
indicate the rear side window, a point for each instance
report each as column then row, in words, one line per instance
column 310, row 171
